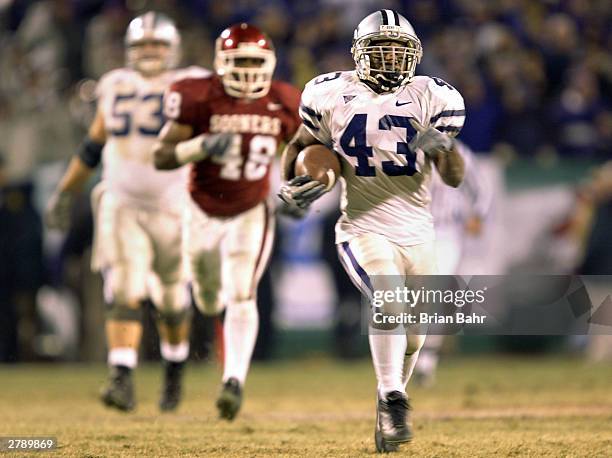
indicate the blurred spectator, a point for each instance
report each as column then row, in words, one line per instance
column 576, row 114
column 533, row 73
column 103, row 48
column 21, row 269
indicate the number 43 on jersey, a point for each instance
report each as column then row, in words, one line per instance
column 354, row 143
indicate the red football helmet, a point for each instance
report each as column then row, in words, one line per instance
column 245, row 61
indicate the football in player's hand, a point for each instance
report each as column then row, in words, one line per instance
column 320, row 163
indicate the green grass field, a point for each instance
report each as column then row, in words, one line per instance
column 480, row 407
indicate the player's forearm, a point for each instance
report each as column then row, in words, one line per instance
column 164, row 156
column 288, row 157
column 451, row 167
column 300, row 140
column 171, row 155
column 76, row 176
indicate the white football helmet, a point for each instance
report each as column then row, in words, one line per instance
column 154, row 28
column 392, row 64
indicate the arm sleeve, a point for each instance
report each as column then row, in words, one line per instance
column 290, row 98
column 314, row 116
column 447, row 107
column 90, row 152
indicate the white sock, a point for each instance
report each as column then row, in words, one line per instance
column 429, row 354
column 123, row 356
column 175, row 353
column 239, row 333
column 388, row 349
column 411, row 356
column 426, row 363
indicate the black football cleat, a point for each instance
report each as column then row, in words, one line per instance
column 172, row 389
column 119, row 392
column 382, row 446
column 392, row 422
column 230, row 399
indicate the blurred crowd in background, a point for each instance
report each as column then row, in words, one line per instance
column 536, row 77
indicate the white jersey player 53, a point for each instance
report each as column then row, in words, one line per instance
column 132, row 108
column 384, row 185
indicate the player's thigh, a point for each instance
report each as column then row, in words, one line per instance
column 124, row 251
column 420, row 259
column 168, row 282
column 201, row 247
column 246, row 251
column 165, row 230
column 421, row 268
column 448, row 251
column 373, row 264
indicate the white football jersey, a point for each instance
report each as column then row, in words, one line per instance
column 132, row 109
column 384, row 185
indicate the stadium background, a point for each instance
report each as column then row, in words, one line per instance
column 536, row 78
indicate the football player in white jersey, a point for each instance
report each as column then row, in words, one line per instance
column 137, row 241
column 388, row 128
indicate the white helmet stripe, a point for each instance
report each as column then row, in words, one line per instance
column 149, row 20
column 395, row 17
column 385, row 17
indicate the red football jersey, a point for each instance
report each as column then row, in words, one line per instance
column 240, row 180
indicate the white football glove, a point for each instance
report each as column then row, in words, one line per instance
column 299, row 193
column 59, row 210
column 430, row 140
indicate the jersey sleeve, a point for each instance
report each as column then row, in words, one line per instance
column 180, row 102
column 102, row 87
column 314, row 115
column 447, row 109
column 192, row 71
column 290, row 98
column 106, row 82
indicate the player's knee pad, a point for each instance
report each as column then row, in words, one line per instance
column 240, row 294
column 122, row 312
column 414, row 343
column 241, row 285
column 122, row 286
column 171, row 298
column 208, row 302
column 174, row 318
column 244, row 310
column 387, row 308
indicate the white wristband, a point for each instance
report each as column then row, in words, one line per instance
column 190, row 150
column 331, row 180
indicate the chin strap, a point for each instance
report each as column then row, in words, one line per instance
column 386, row 83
